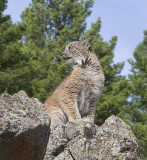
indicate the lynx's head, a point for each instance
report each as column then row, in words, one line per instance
column 77, row 52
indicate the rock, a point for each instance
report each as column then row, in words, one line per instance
column 83, row 140
column 24, row 128
column 24, row 133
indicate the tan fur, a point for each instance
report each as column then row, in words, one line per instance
column 77, row 96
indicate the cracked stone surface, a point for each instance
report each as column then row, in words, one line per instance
column 83, row 140
column 24, row 128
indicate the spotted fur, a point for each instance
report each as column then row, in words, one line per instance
column 78, row 94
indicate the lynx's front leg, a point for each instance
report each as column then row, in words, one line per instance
column 70, row 108
column 90, row 116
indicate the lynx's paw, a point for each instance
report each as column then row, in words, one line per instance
column 88, row 118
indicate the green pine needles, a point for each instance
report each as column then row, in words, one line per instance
column 30, row 60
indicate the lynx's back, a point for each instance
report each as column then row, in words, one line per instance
column 78, row 94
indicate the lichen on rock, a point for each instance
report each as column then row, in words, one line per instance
column 24, row 127
column 24, row 134
column 81, row 140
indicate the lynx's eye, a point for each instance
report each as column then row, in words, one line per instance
column 69, row 48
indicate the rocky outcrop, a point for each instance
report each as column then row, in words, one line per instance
column 24, row 133
column 24, row 128
column 82, row 140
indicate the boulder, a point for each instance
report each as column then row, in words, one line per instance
column 81, row 140
column 24, row 128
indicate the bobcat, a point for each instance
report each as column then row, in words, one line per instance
column 78, row 94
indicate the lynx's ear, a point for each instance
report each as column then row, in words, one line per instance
column 87, row 43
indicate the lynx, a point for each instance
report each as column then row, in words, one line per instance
column 78, row 94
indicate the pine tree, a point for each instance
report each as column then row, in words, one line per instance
column 12, row 59
column 3, row 6
column 137, row 108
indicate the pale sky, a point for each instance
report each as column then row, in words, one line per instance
column 126, row 19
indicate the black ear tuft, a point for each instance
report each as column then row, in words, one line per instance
column 89, row 48
column 87, row 42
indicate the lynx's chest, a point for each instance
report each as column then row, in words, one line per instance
column 90, row 92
